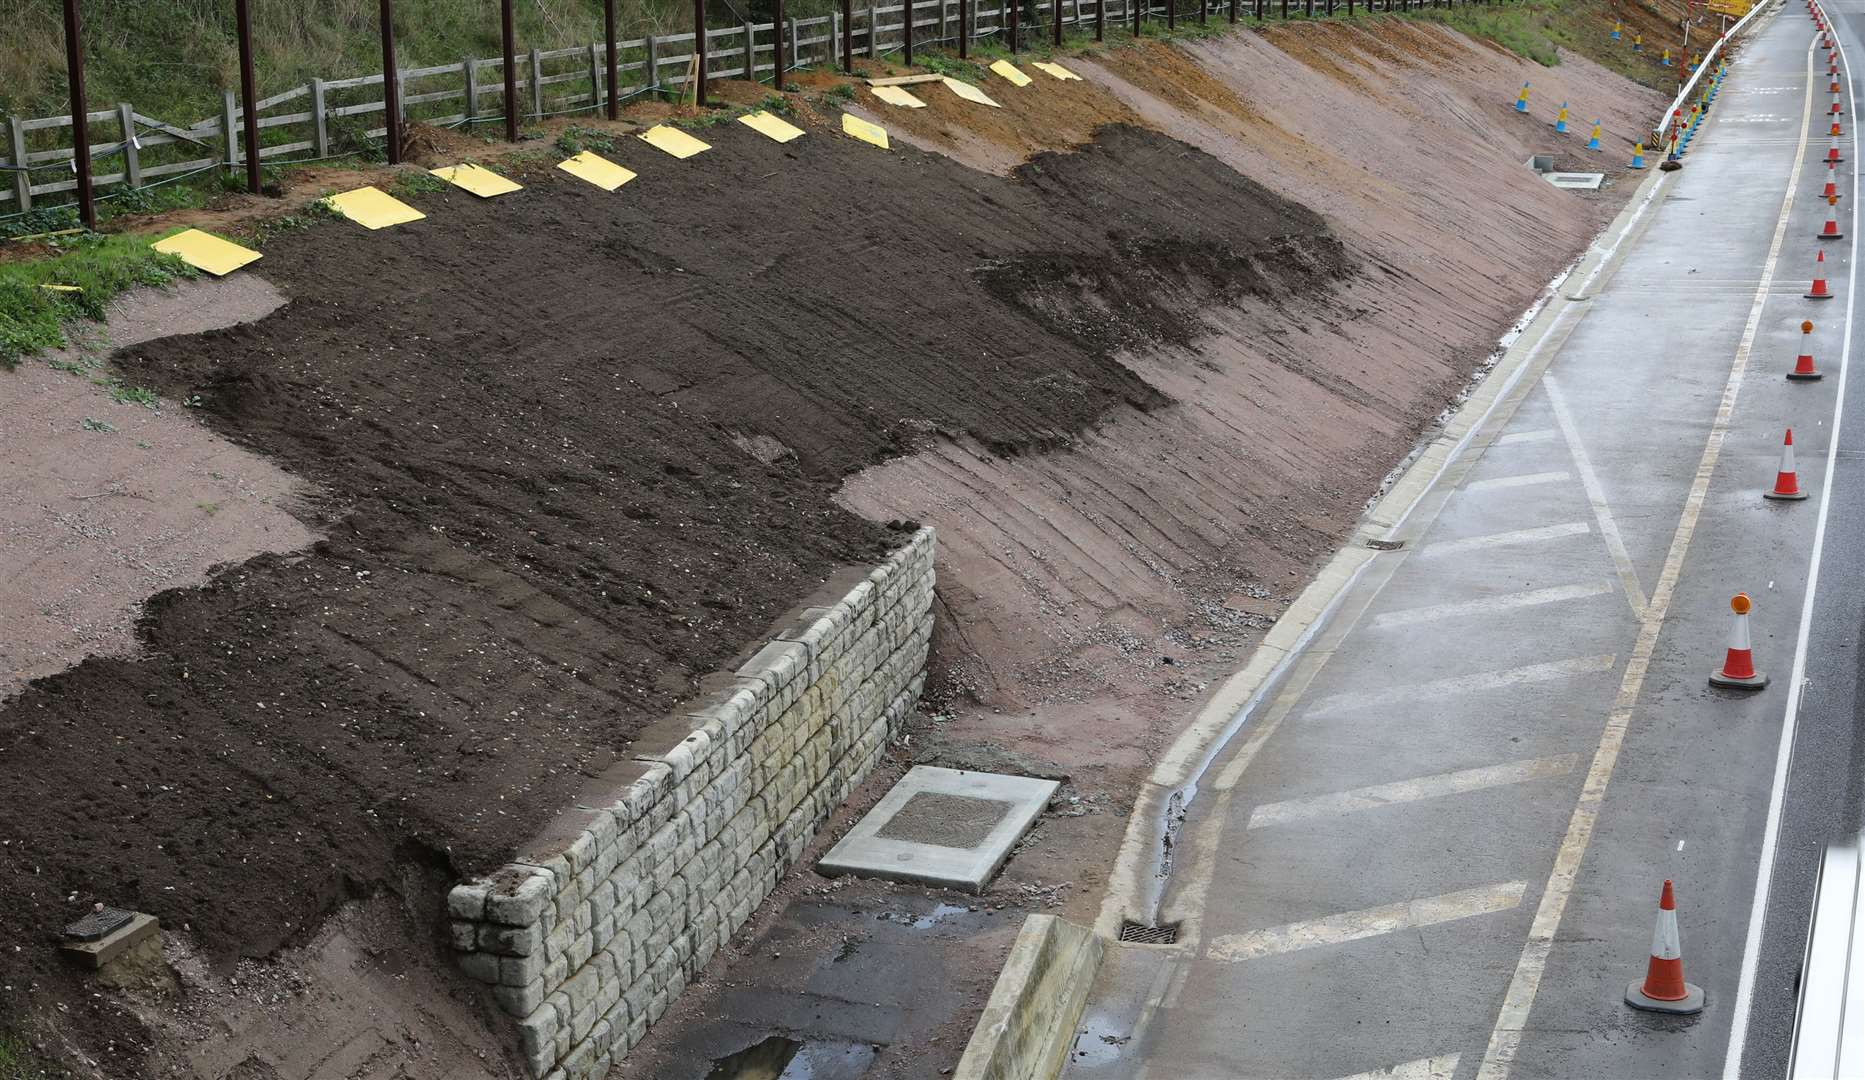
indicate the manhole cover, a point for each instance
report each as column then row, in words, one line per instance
column 1142, row 934
column 954, row 821
column 98, row 924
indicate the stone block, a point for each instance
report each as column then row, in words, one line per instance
column 521, row 970
column 464, row 936
column 520, row 902
column 467, row 901
column 520, row 1000
column 510, row 940
column 481, row 967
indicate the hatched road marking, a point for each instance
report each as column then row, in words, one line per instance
column 1404, row 791
column 1436, row 1068
column 1544, row 435
column 1486, row 605
column 1508, row 539
column 1467, row 684
column 1524, row 480
column 1354, row 925
column 1596, row 495
column 1505, row 1039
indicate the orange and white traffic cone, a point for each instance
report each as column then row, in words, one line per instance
column 1834, row 111
column 1832, row 152
column 1804, row 371
column 1832, row 186
column 1835, row 133
column 1830, row 231
column 1664, row 989
column 1787, row 478
column 1738, row 670
column 1819, row 290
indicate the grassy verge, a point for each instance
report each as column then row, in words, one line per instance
column 33, row 318
column 1539, row 29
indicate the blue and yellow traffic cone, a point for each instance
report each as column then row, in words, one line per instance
column 1560, row 120
column 1638, row 43
column 1664, row 59
column 1593, row 140
column 1521, row 99
column 1638, row 156
column 1616, row 28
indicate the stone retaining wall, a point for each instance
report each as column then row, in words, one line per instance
column 596, row 927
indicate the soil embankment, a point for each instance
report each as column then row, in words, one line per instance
column 570, row 459
column 1139, row 347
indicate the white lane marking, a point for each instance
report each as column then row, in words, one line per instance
column 1596, row 496
column 1517, row 481
column 1414, row 790
column 1435, row 1068
column 1544, row 435
column 1489, row 604
column 1784, row 753
column 1466, row 684
column 1508, row 539
column 1355, row 925
column 1505, row 1039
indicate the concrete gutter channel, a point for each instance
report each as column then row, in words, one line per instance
column 1029, row 1024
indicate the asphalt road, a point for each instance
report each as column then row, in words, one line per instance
column 1821, row 802
column 1434, row 849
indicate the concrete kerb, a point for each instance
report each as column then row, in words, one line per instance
column 1133, row 879
column 1029, row 1021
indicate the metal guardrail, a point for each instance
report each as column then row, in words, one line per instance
column 1674, row 116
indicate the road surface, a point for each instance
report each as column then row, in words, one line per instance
column 1435, row 847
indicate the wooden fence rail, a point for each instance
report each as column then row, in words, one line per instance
column 549, row 82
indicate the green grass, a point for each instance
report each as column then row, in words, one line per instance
column 18, row 1062
column 1539, row 29
column 33, row 319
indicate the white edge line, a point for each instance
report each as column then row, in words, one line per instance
column 1783, row 759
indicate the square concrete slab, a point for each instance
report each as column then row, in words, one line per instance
column 941, row 827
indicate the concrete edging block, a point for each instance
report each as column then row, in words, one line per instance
column 1029, row 1021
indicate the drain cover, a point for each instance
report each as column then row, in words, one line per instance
column 955, row 821
column 1142, row 934
column 98, row 924
column 941, row 826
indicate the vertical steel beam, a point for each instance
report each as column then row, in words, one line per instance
column 249, row 93
column 1016, row 43
column 80, row 128
column 699, row 50
column 391, row 94
column 964, row 29
column 780, row 26
column 907, row 8
column 511, row 71
column 848, row 37
column 608, row 37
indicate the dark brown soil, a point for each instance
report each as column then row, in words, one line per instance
column 578, row 450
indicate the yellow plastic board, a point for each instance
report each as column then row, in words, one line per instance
column 771, row 126
column 673, row 141
column 61, row 288
column 482, row 182
column 969, row 92
column 205, row 251
column 873, row 134
column 1055, row 71
column 893, row 95
column 596, row 169
column 373, row 208
column 1008, row 70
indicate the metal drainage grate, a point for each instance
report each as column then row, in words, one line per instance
column 1385, row 545
column 1141, row 934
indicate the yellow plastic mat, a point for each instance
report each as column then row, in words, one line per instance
column 482, row 182
column 969, row 92
column 1055, row 71
column 893, row 95
column 60, row 288
column 205, row 251
column 771, row 126
column 596, row 169
column 1008, row 70
column 373, row 208
column 673, row 141
column 873, row 134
